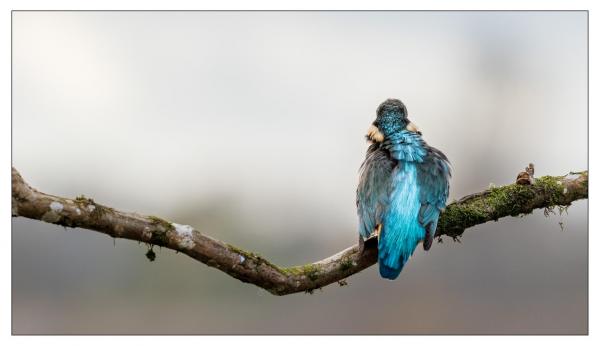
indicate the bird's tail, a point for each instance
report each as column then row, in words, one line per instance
column 387, row 272
column 395, row 248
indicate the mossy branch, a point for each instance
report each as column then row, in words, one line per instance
column 491, row 204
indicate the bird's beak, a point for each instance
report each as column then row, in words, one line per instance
column 374, row 135
column 413, row 128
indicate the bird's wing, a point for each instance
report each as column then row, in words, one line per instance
column 433, row 179
column 372, row 194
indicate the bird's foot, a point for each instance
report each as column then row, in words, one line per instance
column 371, row 242
column 377, row 231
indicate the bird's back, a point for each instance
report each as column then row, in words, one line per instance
column 403, row 187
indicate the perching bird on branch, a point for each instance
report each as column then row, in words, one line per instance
column 403, row 187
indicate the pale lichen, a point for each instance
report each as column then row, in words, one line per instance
column 56, row 207
column 53, row 215
column 185, row 234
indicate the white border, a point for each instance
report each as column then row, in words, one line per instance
column 5, row 124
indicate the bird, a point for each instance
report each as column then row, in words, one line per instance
column 403, row 187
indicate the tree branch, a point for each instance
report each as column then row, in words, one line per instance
column 492, row 204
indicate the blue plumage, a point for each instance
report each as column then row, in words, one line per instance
column 403, row 187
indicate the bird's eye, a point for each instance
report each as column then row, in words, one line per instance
column 419, row 133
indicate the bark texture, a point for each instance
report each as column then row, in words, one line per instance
column 510, row 200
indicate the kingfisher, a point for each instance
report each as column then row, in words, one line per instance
column 402, row 189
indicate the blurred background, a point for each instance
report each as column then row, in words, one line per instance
column 250, row 127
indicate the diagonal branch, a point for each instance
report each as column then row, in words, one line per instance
column 492, row 204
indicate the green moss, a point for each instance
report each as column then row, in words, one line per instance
column 159, row 235
column 311, row 271
column 246, row 254
column 261, row 260
column 254, row 257
column 510, row 200
column 346, row 264
column 83, row 202
column 157, row 221
column 83, row 199
column 551, row 186
column 296, row 270
column 457, row 217
column 495, row 202
column 98, row 212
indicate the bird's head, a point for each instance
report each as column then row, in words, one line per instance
column 391, row 118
